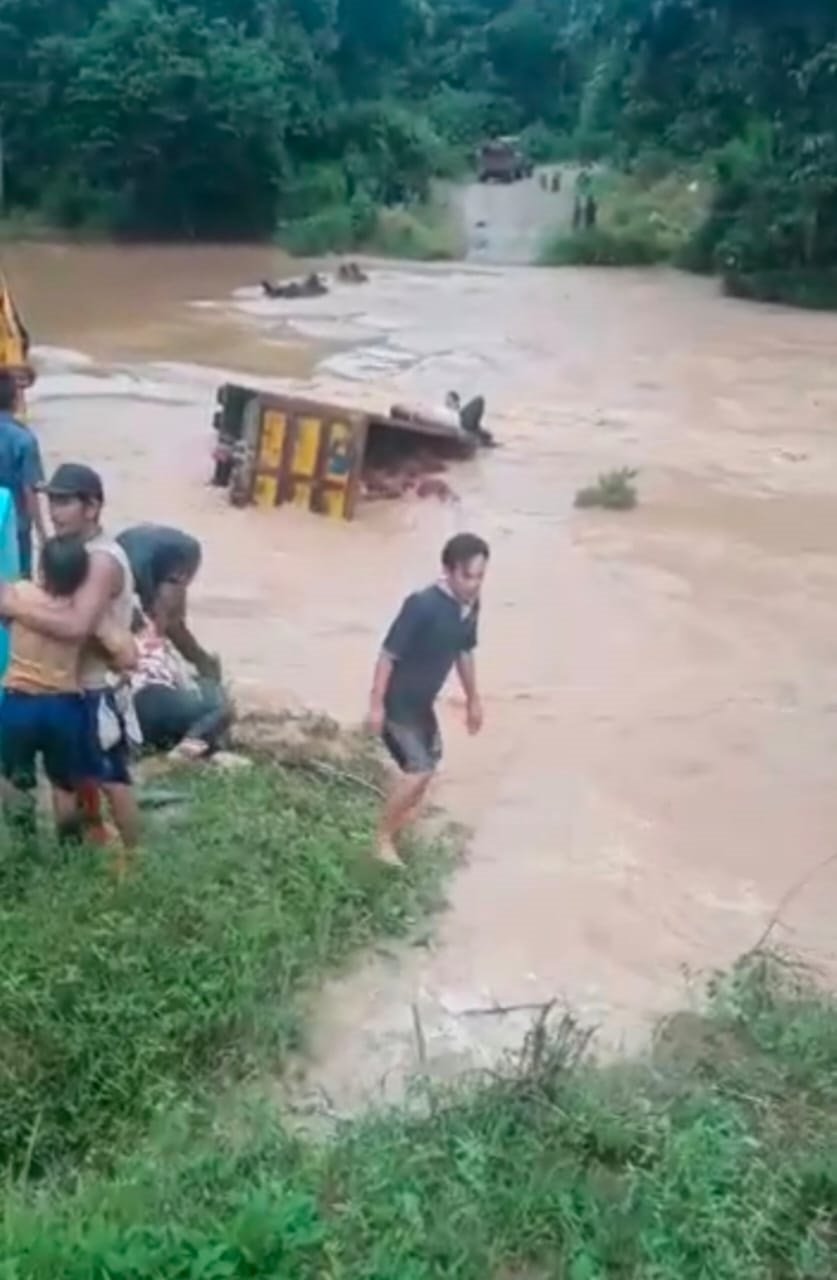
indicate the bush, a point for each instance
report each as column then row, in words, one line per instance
column 117, row 1000
column 600, row 247
column 311, row 189
column 614, row 490
column 464, row 117
column 544, row 145
column 813, row 290
column 329, row 231
column 422, row 232
column 771, row 229
column 641, row 221
column 426, row 233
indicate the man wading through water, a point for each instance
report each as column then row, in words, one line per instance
column 435, row 631
column 76, row 497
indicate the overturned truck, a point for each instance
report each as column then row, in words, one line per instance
column 277, row 449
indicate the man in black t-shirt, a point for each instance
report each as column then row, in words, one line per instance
column 435, row 631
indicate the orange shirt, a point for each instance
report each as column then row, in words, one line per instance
column 39, row 663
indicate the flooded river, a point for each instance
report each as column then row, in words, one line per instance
column 657, row 765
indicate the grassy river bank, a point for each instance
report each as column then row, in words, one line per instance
column 143, row 1028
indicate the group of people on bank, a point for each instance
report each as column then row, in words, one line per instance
column 101, row 659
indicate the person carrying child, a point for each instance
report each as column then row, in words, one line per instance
column 76, row 499
column 43, row 712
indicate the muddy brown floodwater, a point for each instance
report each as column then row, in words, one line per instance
column 657, row 764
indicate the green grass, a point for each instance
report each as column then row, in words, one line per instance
column 425, row 233
column 716, row 1156
column 422, row 232
column 24, row 224
column 143, row 1027
column 614, row 491
column 119, row 1000
column 642, row 220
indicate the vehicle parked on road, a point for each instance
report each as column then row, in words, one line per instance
column 502, row 160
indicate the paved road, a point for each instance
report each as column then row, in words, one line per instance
column 507, row 224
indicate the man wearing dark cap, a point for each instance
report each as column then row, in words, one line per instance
column 76, row 497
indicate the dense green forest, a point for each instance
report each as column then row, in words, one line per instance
column 159, row 117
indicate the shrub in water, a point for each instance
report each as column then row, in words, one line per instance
column 614, row 490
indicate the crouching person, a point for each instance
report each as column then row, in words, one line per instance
column 178, row 710
column 44, row 712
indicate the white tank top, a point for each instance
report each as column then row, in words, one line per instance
column 94, row 668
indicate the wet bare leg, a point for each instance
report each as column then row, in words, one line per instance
column 20, row 812
column 69, row 820
column 125, row 813
column 402, row 801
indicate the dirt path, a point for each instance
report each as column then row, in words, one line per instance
column 657, row 766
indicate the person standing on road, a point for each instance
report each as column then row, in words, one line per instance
column 21, row 472
column 435, row 630
column 583, row 193
column 76, row 497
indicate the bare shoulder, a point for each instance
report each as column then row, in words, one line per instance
column 106, row 573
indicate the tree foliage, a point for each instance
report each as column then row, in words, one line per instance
column 166, row 117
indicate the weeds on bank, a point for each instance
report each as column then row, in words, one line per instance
column 117, row 1001
column 813, row 288
column 600, row 247
column 643, row 218
column 614, row 491
column 714, row 1157
column 423, row 232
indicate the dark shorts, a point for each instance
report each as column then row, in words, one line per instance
column 167, row 716
column 415, row 744
column 111, row 767
column 53, row 726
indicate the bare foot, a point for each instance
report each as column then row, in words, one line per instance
column 189, row 750
column 122, row 864
column 386, row 852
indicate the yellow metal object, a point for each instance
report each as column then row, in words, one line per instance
column 13, row 353
column 338, row 471
column 266, row 491
column 274, row 430
column 309, row 433
column 290, row 449
column 271, row 447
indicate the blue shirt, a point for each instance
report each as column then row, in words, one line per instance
column 424, row 642
column 20, row 465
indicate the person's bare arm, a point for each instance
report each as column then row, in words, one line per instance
column 206, row 664
column 466, row 668
column 82, row 614
column 36, row 515
column 119, row 645
column 380, row 684
column 170, row 617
